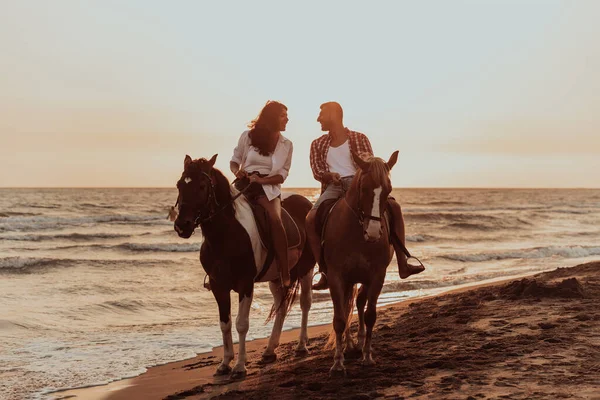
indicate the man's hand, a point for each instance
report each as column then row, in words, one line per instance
column 241, row 174
column 332, row 177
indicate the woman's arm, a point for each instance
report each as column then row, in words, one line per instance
column 235, row 168
column 267, row 180
column 238, row 155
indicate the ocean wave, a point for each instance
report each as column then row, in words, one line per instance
column 420, row 238
column 470, row 209
column 47, row 222
column 133, row 247
column 66, row 236
column 20, row 264
column 46, row 206
column 439, row 217
column 167, row 247
column 533, row 253
column 94, row 205
column 8, row 214
column 23, row 264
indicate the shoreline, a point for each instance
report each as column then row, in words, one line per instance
column 210, row 359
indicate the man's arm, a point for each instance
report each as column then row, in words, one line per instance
column 315, row 164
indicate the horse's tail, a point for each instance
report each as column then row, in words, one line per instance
column 349, row 304
column 288, row 301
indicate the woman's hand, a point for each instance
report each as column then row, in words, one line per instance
column 241, row 174
column 256, row 179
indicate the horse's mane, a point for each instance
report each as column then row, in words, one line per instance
column 377, row 168
column 222, row 187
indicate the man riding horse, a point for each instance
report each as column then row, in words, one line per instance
column 333, row 166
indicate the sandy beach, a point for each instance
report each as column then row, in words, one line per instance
column 536, row 337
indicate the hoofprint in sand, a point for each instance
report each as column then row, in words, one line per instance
column 535, row 338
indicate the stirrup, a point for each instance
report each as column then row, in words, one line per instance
column 319, row 273
column 419, row 261
column 207, row 284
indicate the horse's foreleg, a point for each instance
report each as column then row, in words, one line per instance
column 242, row 325
column 361, row 301
column 339, row 326
column 305, row 304
column 278, row 294
column 224, row 303
column 370, row 317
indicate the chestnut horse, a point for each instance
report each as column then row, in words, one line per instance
column 232, row 256
column 357, row 249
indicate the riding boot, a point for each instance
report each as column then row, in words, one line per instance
column 281, row 255
column 404, row 268
column 322, row 284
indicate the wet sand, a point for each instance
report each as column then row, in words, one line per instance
column 532, row 338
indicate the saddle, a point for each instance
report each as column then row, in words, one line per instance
column 292, row 231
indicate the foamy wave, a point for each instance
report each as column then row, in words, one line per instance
column 169, row 247
column 26, row 263
column 538, row 252
column 418, row 238
column 45, row 222
column 69, row 236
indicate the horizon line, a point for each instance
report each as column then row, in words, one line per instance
column 314, row 187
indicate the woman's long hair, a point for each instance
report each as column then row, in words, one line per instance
column 263, row 127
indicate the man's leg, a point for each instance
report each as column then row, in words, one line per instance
column 332, row 191
column 404, row 269
column 314, row 240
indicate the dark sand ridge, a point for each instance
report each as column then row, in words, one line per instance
column 534, row 338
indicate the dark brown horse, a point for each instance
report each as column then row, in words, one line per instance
column 356, row 250
column 232, row 255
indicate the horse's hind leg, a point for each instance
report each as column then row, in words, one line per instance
column 373, row 292
column 242, row 325
column 224, row 303
column 278, row 293
column 305, row 304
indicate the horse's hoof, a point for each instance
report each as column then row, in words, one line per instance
column 268, row 358
column 223, row 370
column 237, row 375
column 302, row 352
column 367, row 362
column 353, row 353
column 336, row 372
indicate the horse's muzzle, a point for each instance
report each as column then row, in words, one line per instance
column 184, row 230
column 372, row 231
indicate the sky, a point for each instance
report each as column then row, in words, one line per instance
column 478, row 93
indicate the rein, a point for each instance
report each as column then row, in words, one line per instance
column 199, row 220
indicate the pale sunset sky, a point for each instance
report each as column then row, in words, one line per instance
column 477, row 93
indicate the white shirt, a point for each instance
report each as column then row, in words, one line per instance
column 278, row 163
column 339, row 160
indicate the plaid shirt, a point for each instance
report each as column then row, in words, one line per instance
column 359, row 143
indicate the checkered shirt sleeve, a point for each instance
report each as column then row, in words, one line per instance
column 361, row 144
column 318, row 161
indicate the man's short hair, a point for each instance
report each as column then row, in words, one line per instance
column 334, row 105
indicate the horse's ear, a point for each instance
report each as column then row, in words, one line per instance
column 362, row 164
column 187, row 161
column 392, row 161
column 212, row 161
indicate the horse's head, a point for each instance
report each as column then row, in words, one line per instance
column 374, row 187
column 196, row 198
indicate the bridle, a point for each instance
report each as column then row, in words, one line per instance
column 360, row 215
column 199, row 218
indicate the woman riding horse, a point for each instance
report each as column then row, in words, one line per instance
column 264, row 156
